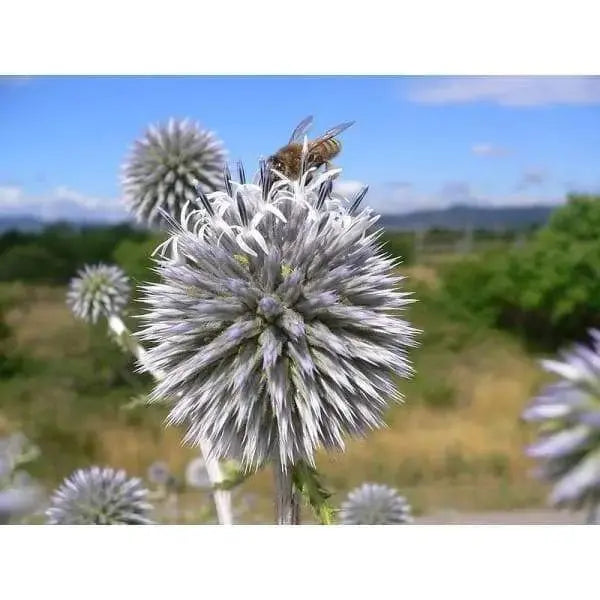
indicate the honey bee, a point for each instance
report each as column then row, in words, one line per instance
column 288, row 160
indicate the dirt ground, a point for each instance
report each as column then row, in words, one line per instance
column 516, row 517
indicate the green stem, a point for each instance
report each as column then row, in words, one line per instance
column 287, row 500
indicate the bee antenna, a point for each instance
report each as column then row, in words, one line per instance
column 227, row 180
column 241, row 172
column 358, row 199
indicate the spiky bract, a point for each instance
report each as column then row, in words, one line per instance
column 100, row 496
column 98, row 290
column 166, row 167
column 375, row 504
column 276, row 322
column 568, row 412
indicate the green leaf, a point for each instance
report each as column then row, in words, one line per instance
column 234, row 476
column 308, row 483
column 136, row 402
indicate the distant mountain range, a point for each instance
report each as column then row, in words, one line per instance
column 23, row 223
column 463, row 216
column 455, row 217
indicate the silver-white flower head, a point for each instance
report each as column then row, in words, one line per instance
column 166, row 167
column 98, row 291
column 569, row 414
column 100, row 496
column 159, row 473
column 375, row 504
column 277, row 321
column 196, row 474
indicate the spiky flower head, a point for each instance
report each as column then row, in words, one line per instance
column 568, row 412
column 98, row 290
column 276, row 322
column 100, row 496
column 375, row 504
column 196, row 474
column 166, row 167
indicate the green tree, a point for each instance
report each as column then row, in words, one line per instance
column 549, row 290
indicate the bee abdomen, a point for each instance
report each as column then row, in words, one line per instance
column 328, row 148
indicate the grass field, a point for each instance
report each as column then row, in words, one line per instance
column 455, row 444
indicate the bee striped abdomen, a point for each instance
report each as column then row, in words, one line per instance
column 325, row 150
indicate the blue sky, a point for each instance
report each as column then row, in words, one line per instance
column 418, row 142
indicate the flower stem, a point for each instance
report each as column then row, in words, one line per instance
column 287, row 499
column 222, row 498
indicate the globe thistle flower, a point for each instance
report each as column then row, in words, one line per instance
column 167, row 166
column 99, row 496
column 374, row 504
column 158, row 473
column 196, row 474
column 98, row 290
column 276, row 321
column 568, row 412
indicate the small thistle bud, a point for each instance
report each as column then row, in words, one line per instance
column 99, row 290
column 158, row 473
column 374, row 504
column 168, row 167
column 568, row 411
column 100, row 496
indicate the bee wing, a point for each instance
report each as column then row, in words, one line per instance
column 301, row 129
column 331, row 133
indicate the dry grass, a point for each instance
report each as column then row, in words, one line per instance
column 464, row 453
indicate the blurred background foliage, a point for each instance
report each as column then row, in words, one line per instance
column 488, row 309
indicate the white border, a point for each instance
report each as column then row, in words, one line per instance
column 309, row 36
column 300, row 562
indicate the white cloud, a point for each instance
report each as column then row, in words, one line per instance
column 507, row 91
column 488, row 149
column 347, row 187
column 60, row 203
column 403, row 197
column 388, row 198
column 531, row 178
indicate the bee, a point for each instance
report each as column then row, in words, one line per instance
column 288, row 160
